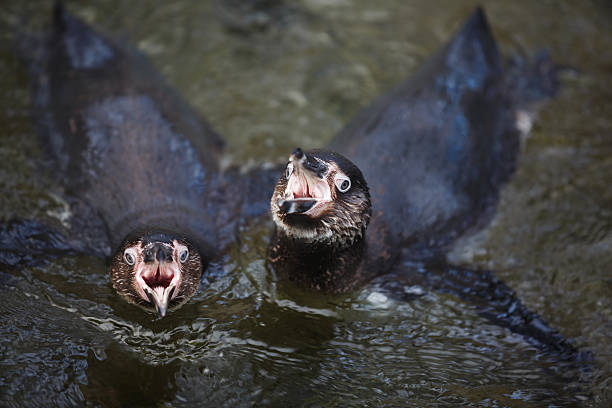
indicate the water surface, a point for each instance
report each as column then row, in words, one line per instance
column 271, row 75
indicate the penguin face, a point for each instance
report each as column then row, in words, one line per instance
column 321, row 196
column 157, row 272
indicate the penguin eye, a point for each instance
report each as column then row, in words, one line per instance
column 129, row 258
column 289, row 171
column 183, row 256
column 343, row 183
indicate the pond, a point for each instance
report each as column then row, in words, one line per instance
column 270, row 75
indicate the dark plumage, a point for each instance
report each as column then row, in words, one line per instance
column 138, row 165
column 321, row 207
column 435, row 153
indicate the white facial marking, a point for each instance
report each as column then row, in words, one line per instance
column 180, row 252
column 130, row 256
column 342, row 182
column 289, row 170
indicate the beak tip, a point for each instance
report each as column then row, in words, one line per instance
column 160, row 301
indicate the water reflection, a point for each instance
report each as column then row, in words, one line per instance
column 114, row 377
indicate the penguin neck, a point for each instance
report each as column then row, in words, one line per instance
column 318, row 265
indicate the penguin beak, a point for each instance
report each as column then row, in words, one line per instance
column 307, row 163
column 160, row 297
column 296, row 206
column 307, row 191
column 159, row 274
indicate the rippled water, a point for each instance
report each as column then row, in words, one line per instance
column 270, row 75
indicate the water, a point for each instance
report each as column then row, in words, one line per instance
column 291, row 74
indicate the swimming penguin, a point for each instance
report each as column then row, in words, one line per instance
column 434, row 153
column 427, row 162
column 138, row 165
column 321, row 209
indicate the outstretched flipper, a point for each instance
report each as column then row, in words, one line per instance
column 437, row 150
column 29, row 242
column 492, row 298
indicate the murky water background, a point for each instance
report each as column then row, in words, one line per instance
column 270, row 75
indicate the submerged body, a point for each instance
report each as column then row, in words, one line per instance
column 139, row 167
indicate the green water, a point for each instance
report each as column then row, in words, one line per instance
column 272, row 78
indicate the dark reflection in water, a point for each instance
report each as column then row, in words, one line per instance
column 111, row 379
column 271, row 75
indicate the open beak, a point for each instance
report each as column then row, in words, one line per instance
column 160, row 297
column 158, row 277
column 296, row 206
column 307, row 191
